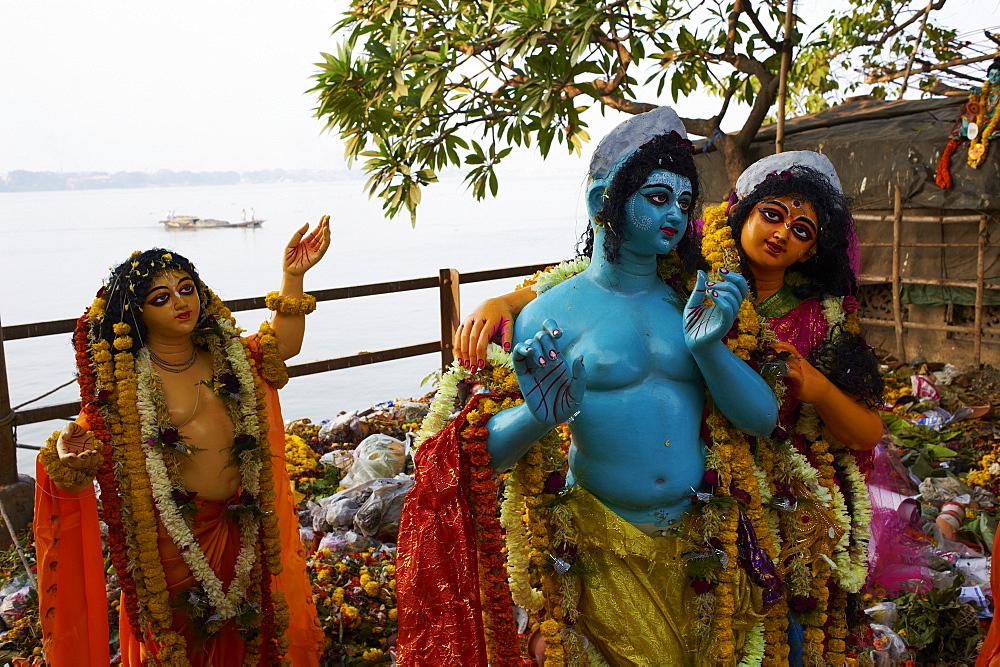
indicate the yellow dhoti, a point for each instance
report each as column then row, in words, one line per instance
column 637, row 604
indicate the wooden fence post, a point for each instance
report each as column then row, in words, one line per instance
column 450, row 309
column 8, row 453
column 977, row 348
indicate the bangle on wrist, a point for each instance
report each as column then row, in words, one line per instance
column 288, row 305
column 59, row 472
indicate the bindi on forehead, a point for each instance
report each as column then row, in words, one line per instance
column 675, row 182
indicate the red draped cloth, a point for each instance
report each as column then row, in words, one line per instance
column 437, row 577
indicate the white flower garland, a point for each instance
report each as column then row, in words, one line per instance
column 518, row 552
column 226, row 603
column 852, row 566
column 443, row 404
column 559, row 273
column 753, row 649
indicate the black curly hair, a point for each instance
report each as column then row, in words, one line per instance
column 665, row 151
column 127, row 287
column 828, row 271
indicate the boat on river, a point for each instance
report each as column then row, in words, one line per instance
column 194, row 222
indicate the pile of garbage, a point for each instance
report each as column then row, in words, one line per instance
column 929, row 596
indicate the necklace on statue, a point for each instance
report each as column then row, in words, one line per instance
column 172, row 367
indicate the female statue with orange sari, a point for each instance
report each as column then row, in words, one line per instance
column 181, row 427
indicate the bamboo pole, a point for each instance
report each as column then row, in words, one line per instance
column 916, row 47
column 786, row 61
column 449, row 289
column 980, row 280
column 897, row 305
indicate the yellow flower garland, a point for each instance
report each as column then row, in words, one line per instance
column 59, row 472
column 287, row 305
column 273, row 369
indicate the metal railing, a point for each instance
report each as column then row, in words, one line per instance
column 447, row 282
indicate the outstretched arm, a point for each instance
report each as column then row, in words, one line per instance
column 552, row 389
column 742, row 395
column 493, row 317
column 301, row 254
column 852, row 423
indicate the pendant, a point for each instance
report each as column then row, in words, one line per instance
column 977, row 152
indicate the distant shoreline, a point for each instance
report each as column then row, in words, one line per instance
column 47, row 181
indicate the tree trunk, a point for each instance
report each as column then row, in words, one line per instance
column 735, row 155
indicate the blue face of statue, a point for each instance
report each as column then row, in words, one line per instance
column 656, row 215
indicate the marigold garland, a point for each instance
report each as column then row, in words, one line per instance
column 287, row 305
column 96, row 380
column 59, row 472
column 502, row 645
column 979, row 145
column 273, row 368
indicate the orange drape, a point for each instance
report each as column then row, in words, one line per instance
column 989, row 655
column 72, row 591
column 73, row 605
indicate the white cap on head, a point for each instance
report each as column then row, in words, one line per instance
column 631, row 134
column 761, row 169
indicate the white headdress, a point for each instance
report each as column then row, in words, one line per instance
column 761, row 169
column 631, row 134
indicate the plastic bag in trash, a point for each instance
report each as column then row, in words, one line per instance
column 343, row 428
column 15, row 603
column 340, row 542
column 377, row 456
column 339, row 510
column 339, row 458
column 379, row 515
column 890, row 649
column 883, row 613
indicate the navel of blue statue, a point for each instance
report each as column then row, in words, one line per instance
column 622, row 357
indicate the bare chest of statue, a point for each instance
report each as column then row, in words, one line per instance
column 202, row 419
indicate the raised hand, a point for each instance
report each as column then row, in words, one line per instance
column 304, row 252
column 552, row 389
column 707, row 323
column 77, row 447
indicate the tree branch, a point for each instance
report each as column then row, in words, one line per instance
column 928, row 68
column 910, row 21
column 770, row 41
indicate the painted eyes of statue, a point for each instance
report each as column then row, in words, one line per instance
column 802, row 232
column 663, row 198
column 163, row 297
column 775, row 216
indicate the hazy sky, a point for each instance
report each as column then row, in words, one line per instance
column 202, row 85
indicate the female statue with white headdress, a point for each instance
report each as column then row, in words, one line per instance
column 631, row 363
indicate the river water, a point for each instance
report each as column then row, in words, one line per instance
column 57, row 247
